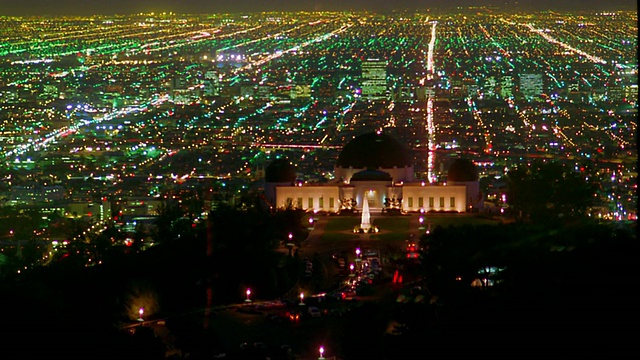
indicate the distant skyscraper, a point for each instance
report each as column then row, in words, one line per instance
column 531, row 85
column 179, row 90
column 506, row 87
column 374, row 79
column 615, row 88
column 631, row 92
column 211, row 83
column 456, row 88
column 489, row 86
column 574, row 86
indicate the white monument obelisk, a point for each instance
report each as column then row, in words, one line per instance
column 365, row 223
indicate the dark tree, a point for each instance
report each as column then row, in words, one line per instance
column 166, row 228
column 549, row 192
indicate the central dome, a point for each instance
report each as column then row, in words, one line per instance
column 373, row 151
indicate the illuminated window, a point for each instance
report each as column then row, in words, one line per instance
column 410, row 202
column 442, row 202
column 310, row 202
column 321, row 202
column 431, row 201
column 420, row 202
column 452, row 202
column 299, row 202
column 331, row 202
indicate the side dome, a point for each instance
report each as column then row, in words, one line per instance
column 462, row 170
column 373, row 151
column 279, row 171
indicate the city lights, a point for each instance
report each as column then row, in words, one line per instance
column 134, row 144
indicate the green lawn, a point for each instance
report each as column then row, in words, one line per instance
column 347, row 223
column 341, row 223
column 402, row 223
column 393, row 223
column 446, row 220
column 394, row 228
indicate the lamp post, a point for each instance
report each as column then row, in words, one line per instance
column 248, row 299
column 301, row 299
column 321, row 350
column 140, row 313
column 358, row 259
column 351, row 267
column 290, row 244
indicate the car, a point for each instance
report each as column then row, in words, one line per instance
column 314, row 311
column 286, row 349
column 336, row 295
column 294, row 315
column 375, row 264
column 275, row 318
column 349, row 294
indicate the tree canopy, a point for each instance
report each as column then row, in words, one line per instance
column 549, row 191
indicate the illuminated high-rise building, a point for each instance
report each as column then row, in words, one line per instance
column 531, row 85
column 374, row 79
column 211, row 83
column 489, row 86
column 506, row 87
